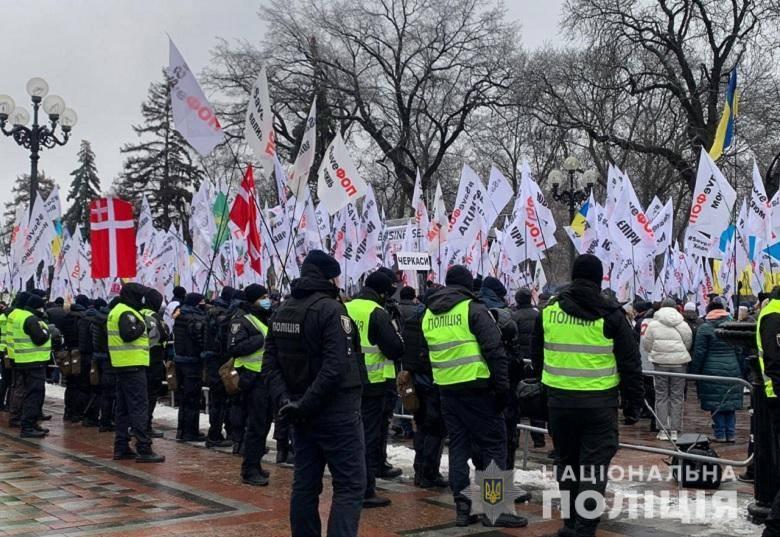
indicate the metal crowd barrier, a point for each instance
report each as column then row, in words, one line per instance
column 676, row 452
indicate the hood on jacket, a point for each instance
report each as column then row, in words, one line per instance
column 489, row 297
column 369, row 293
column 583, row 299
column 668, row 316
column 132, row 294
column 446, row 298
column 312, row 281
column 153, row 299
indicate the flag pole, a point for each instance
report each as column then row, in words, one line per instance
column 223, row 220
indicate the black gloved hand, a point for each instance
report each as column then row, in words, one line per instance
column 291, row 411
column 501, row 399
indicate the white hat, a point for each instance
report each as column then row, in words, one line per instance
column 689, row 306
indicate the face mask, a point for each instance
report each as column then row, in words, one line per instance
column 265, row 303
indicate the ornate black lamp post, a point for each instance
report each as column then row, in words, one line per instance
column 36, row 137
column 576, row 193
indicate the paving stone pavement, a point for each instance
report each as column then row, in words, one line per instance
column 67, row 485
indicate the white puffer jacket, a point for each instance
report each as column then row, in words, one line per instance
column 668, row 338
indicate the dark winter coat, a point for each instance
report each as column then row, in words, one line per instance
column 712, row 356
column 485, row 329
column 583, row 299
column 415, row 356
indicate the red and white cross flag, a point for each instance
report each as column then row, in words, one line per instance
column 244, row 215
column 112, row 235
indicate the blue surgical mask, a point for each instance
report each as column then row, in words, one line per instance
column 265, row 303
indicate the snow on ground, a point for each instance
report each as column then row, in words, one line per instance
column 703, row 523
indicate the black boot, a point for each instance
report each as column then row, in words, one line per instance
column 505, row 520
column 463, row 516
column 125, row 454
column 256, row 479
column 375, row 501
column 281, row 455
column 147, row 455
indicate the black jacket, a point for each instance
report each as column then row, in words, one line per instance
column 218, row 329
column 485, row 329
column 525, row 319
column 245, row 339
column 68, row 324
column 329, row 337
column 130, row 327
column 415, row 357
column 188, row 331
column 382, row 333
column 98, row 329
column 770, row 328
column 85, row 331
column 583, row 299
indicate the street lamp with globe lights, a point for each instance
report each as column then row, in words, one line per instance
column 37, row 137
column 579, row 187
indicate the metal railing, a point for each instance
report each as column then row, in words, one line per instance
column 676, row 452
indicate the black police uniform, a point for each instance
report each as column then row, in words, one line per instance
column 249, row 412
column 32, row 376
column 430, row 433
column 584, row 424
column 159, row 338
column 92, row 408
column 309, row 360
column 107, row 385
column 132, row 403
column 215, row 355
column 520, row 366
column 76, row 386
column 188, row 346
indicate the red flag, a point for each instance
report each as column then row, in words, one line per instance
column 244, row 215
column 112, row 235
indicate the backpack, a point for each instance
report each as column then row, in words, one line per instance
column 695, row 474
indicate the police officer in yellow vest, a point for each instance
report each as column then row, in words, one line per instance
column 32, row 350
column 5, row 369
column 767, row 333
column 381, row 346
column 471, row 369
column 246, row 344
column 128, row 347
column 586, row 353
column 17, row 392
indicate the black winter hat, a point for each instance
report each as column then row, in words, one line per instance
column 20, row 301
column 459, row 275
column 153, row 299
column 239, row 295
column 379, row 282
column 523, row 297
column 389, row 273
column 588, row 267
column 327, row 264
column 494, row 285
column 35, row 302
column 179, row 292
column 40, row 292
column 227, row 293
column 407, row 293
column 59, row 301
column 254, row 291
column 99, row 303
column 82, row 300
column 193, row 299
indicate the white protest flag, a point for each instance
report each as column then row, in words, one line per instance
column 614, row 188
column 540, row 280
column 259, row 124
column 662, row 228
column 17, row 240
column 281, row 182
column 468, row 216
column 516, row 242
column 323, row 220
column 60, row 279
column 193, row 116
column 654, row 208
column 203, row 229
column 539, row 220
column 339, row 181
column 305, row 157
column 628, row 226
column 420, row 216
column 145, row 229
column 758, row 219
column 366, row 257
column 713, row 199
column 743, row 249
column 36, row 242
column 499, row 192
column 439, row 226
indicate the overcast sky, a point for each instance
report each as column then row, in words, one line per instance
column 101, row 55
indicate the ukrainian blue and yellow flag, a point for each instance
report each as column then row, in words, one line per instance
column 579, row 222
column 725, row 132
